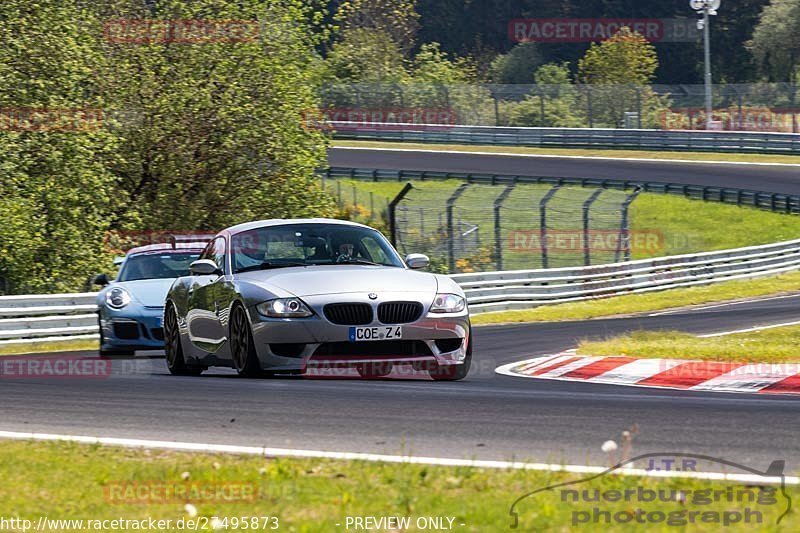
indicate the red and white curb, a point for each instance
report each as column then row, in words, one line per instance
column 717, row 376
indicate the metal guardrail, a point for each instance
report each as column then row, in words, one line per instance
column 519, row 289
column 46, row 318
column 622, row 139
column 776, row 202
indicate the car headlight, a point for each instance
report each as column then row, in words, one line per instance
column 284, row 308
column 448, row 303
column 117, row 298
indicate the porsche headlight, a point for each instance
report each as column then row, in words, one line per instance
column 284, row 308
column 117, row 298
column 448, row 303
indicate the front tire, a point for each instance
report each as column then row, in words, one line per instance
column 176, row 363
column 243, row 349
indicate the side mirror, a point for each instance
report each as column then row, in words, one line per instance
column 417, row 261
column 204, row 267
column 101, row 279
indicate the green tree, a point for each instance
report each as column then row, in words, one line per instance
column 555, row 103
column 213, row 131
column 616, row 73
column 627, row 57
column 397, row 19
column 776, row 39
column 56, row 192
column 364, row 55
column 516, row 66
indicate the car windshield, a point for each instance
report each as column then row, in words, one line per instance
column 310, row 244
column 161, row 264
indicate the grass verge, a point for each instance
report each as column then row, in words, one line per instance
column 647, row 302
column 72, row 481
column 777, row 345
column 42, row 347
column 622, row 154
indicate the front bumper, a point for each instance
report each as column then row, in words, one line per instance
column 132, row 328
column 294, row 344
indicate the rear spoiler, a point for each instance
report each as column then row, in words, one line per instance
column 201, row 238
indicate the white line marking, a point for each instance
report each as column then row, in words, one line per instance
column 589, row 157
column 405, row 459
column 726, row 304
column 747, row 330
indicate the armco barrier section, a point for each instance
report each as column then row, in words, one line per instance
column 46, row 318
column 780, row 203
column 622, row 139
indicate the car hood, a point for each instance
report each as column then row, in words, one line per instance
column 148, row 292
column 339, row 279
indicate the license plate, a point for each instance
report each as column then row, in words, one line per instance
column 378, row 333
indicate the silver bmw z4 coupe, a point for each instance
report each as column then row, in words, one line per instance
column 283, row 296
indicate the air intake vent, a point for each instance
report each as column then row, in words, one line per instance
column 399, row 312
column 349, row 314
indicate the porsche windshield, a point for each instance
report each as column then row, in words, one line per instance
column 157, row 265
column 310, row 244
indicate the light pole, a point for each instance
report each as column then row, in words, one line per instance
column 706, row 8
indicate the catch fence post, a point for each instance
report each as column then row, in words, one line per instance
column 498, row 236
column 587, row 259
column 543, row 222
column 393, row 212
column 625, row 239
column 451, row 252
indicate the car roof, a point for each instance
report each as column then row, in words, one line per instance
column 284, row 221
column 167, row 247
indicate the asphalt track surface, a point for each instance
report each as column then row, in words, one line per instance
column 771, row 178
column 486, row 416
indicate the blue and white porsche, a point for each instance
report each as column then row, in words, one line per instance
column 131, row 308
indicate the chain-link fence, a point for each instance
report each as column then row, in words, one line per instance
column 741, row 107
column 471, row 228
column 358, row 203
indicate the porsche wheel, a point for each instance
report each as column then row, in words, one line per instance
column 243, row 349
column 172, row 346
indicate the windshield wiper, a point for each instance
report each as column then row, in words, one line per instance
column 266, row 265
